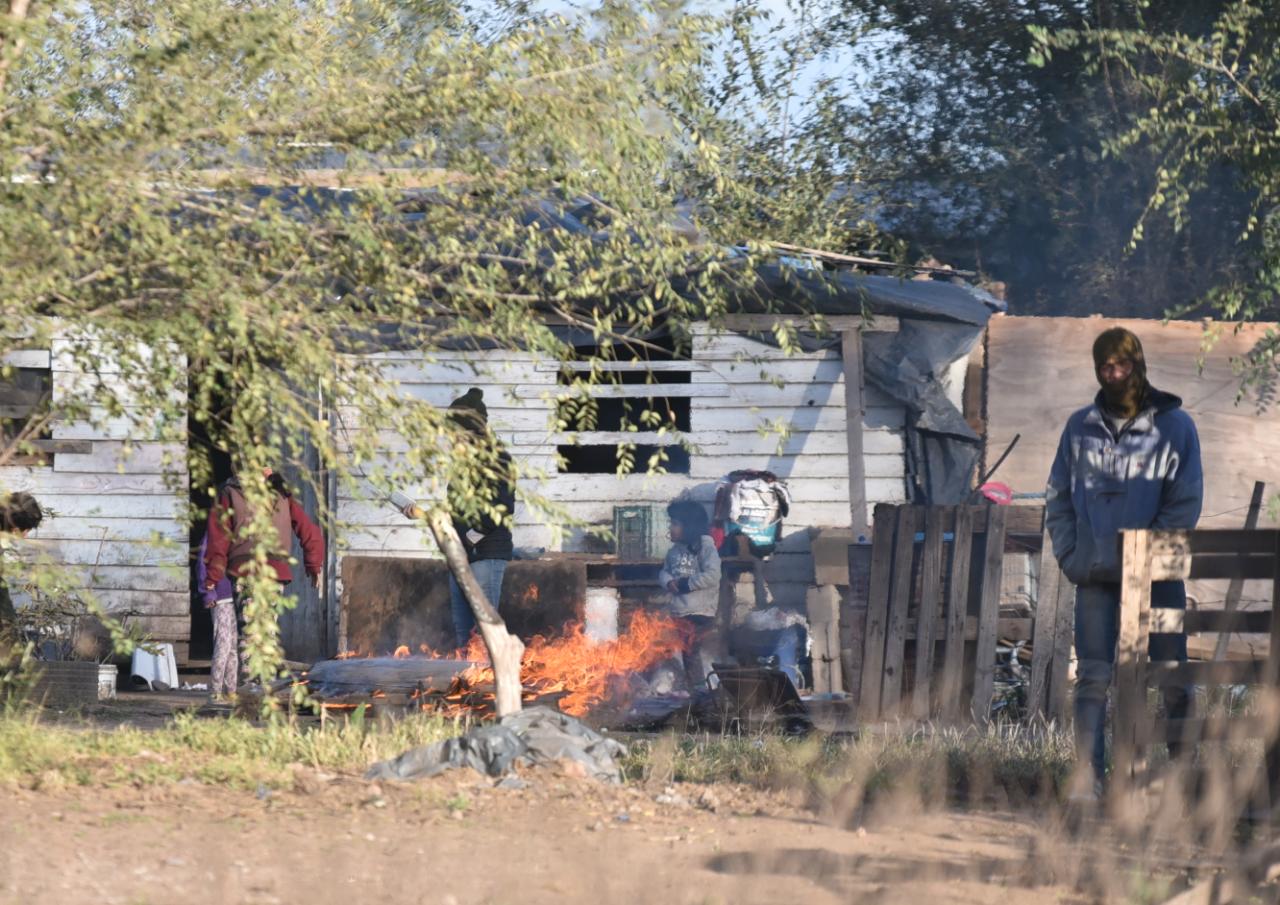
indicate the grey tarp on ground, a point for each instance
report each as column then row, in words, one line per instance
column 535, row 736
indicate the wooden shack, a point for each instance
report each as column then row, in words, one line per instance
column 115, row 491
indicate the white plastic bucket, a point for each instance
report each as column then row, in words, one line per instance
column 601, row 617
column 107, row 681
column 158, row 670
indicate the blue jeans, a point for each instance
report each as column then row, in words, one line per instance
column 488, row 573
column 1097, row 633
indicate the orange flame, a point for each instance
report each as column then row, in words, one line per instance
column 587, row 672
column 402, row 652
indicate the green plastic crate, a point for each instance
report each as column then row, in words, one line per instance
column 640, row 532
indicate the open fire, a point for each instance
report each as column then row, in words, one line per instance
column 575, row 670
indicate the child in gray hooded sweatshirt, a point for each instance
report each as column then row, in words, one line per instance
column 691, row 575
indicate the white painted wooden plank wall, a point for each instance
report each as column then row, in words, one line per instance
column 742, row 391
column 118, row 513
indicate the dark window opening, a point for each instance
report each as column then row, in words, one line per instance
column 24, row 405
column 603, row 459
column 628, row 378
column 671, row 413
column 658, row 348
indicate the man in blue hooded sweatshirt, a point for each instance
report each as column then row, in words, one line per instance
column 1129, row 460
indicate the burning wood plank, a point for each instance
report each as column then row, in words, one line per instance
column 389, row 675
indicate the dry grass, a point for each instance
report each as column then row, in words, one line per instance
column 222, row 751
column 996, row 764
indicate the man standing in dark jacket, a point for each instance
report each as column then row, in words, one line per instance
column 19, row 515
column 485, row 534
column 1130, row 460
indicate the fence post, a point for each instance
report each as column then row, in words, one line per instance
column 1046, row 623
column 899, row 604
column 984, row 673
column 877, row 614
column 1129, row 730
column 957, row 609
column 1271, row 706
column 928, row 612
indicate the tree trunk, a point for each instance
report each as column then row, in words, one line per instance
column 505, row 649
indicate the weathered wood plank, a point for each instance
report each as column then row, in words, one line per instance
column 1235, row 672
column 1021, row 520
column 723, row 415
column 477, row 372
column 1206, row 540
column 1200, row 621
column 1011, row 628
column 1046, row 623
column 388, row 674
column 1063, row 638
column 989, row 614
column 624, row 367
column 1272, row 675
column 46, row 481
column 1130, row 730
column 112, row 529
column 629, row 391
column 109, row 553
column 111, row 456
column 146, row 603
column 122, row 506
column 1236, row 587
column 858, row 468
column 801, row 369
column 834, row 666
column 460, row 357
column 899, row 602
column 832, row 514
column 26, row 358
column 957, row 610
column 853, row 621
column 1180, row 567
column 137, row 425
column 746, row 440
column 930, row 607
column 882, row 554
column 171, row 577
column 61, row 447
column 749, row 323
column 503, row 418
column 164, row 628
column 830, row 468
column 129, row 390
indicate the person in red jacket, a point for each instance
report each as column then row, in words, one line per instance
column 229, row 554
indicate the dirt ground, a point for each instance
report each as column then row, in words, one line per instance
column 457, row 840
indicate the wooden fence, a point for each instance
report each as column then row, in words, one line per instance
column 1177, row 555
column 935, row 579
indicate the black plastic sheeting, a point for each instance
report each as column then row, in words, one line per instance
column 536, row 736
column 942, row 450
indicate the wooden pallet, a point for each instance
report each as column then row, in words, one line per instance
column 1178, row 555
column 920, row 591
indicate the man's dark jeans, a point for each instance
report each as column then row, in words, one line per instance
column 489, row 574
column 1097, row 632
